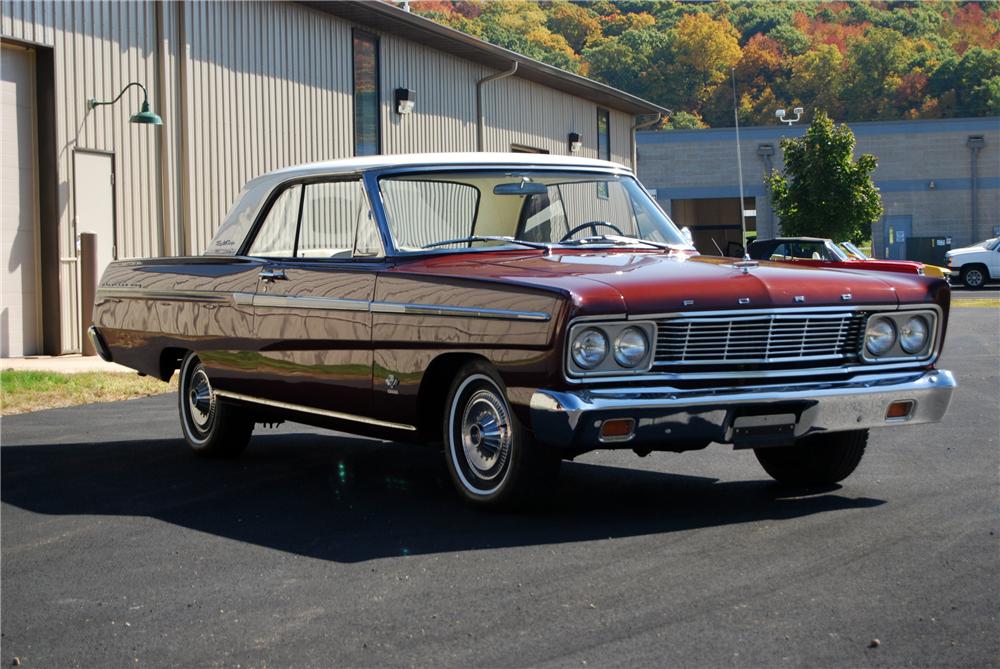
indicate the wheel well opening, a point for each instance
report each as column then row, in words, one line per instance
column 170, row 361
column 434, row 389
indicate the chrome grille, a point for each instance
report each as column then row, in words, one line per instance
column 758, row 338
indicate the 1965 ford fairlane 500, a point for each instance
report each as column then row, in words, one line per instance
column 521, row 310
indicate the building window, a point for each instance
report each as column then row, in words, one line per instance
column 367, row 128
column 603, row 145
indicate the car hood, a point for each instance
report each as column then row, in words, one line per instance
column 967, row 251
column 651, row 283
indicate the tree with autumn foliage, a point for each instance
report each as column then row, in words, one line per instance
column 856, row 60
column 823, row 191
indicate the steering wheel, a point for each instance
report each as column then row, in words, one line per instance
column 593, row 226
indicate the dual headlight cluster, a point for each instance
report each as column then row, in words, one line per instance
column 899, row 335
column 596, row 348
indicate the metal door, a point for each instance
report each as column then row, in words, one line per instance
column 94, row 197
column 19, row 313
column 897, row 230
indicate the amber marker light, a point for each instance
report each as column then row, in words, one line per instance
column 617, row 429
column 899, row 410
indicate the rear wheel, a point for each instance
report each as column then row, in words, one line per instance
column 492, row 459
column 817, row 460
column 212, row 428
column 974, row 276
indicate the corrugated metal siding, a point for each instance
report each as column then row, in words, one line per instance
column 269, row 85
column 445, row 114
column 245, row 88
column 99, row 47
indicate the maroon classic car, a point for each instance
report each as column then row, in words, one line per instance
column 521, row 310
column 819, row 252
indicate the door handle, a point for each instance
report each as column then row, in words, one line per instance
column 272, row 275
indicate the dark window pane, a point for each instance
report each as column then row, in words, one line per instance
column 603, row 135
column 603, row 146
column 366, row 95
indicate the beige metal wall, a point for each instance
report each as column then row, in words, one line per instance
column 245, row 88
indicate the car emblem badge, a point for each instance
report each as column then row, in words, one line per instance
column 746, row 264
column 688, row 303
column 800, row 298
column 744, row 300
column 846, row 297
column 392, row 383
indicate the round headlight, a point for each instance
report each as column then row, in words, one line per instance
column 630, row 347
column 589, row 348
column 913, row 334
column 880, row 336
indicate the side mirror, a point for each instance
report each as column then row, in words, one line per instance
column 686, row 231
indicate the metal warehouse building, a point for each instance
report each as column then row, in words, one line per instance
column 940, row 182
column 242, row 88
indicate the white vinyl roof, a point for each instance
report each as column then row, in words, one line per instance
column 470, row 159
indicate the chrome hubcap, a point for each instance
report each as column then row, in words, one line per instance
column 201, row 400
column 974, row 277
column 486, row 437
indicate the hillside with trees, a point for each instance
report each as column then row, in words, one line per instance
column 857, row 61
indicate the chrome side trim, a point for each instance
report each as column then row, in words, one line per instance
column 319, row 412
column 243, row 299
column 446, row 310
column 308, row 302
column 177, row 295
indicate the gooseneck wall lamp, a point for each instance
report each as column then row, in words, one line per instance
column 144, row 115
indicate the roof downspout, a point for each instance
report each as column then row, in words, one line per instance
column 640, row 125
column 480, row 121
column 975, row 144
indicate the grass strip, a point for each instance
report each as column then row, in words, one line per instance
column 24, row 391
column 986, row 303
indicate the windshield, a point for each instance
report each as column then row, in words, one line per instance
column 989, row 243
column 463, row 209
column 835, row 253
column 854, row 250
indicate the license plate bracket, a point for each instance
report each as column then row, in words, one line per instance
column 762, row 430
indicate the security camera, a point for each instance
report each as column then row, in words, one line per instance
column 780, row 113
column 798, row 111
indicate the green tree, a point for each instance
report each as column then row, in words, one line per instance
column 702, row 51
column 577, row 24
column 823, row 191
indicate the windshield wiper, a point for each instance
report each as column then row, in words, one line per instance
column 618, row 240
column 488, row 238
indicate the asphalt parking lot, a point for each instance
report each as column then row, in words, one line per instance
column 119, row 548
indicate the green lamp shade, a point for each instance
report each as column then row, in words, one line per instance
column 146, row 116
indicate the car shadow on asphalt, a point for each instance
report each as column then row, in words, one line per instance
column 349, row 499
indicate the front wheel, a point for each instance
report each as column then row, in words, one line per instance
column 817, row 460
column 212, row 428
column 491, row 458
column 974, row 277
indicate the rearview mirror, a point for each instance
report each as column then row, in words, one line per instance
column 520, row 188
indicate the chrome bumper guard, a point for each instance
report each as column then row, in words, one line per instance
column 573, row 418
column 99, row 345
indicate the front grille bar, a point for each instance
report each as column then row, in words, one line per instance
column 759, row 339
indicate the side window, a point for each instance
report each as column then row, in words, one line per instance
column 335, row 215
column 276, row 236
column 425, row 211
column 780, row 251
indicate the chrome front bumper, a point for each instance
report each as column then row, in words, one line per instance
column 573, row 418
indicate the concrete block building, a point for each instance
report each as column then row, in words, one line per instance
column 939, row 179
column 242, row 88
